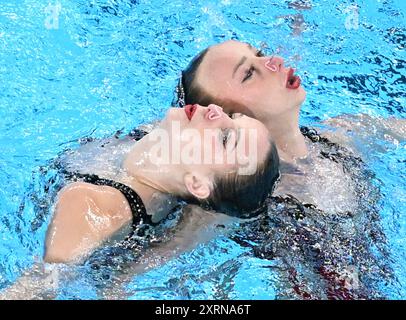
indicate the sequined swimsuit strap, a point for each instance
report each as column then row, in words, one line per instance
column 138, row 209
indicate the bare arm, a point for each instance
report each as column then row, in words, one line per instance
column 85, row 216
column 363, row 133
column 39, row 282
column 195, row 227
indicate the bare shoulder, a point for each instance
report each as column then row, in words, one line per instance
column 85, row 216
column 104, row 197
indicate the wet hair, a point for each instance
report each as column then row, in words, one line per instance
column 187, row 90
column 238, row 195
column 311, row 250
column 243, row 195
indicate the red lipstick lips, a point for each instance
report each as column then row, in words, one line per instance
column 292, row 81
column 190, row 110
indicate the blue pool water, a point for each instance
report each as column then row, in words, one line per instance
column 104, row 65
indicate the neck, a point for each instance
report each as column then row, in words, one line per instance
column 153, row 183
column 158, row 203
column 286, row 134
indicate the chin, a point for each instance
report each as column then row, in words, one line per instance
column 301, row 95
column 177, row 114
column 297, row 97
column 171, row 115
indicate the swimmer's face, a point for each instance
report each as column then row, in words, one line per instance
column 242, row 80
column 205, row 142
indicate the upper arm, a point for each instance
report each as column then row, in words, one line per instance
column 364, row 123
column 364, row 131
column 85, row 215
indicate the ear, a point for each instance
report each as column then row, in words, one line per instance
column 198, row 185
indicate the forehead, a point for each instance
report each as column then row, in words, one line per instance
column 229, row 47
column 217, row 67
column 225, row 54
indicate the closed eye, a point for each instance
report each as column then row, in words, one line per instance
column 248, row 74
column 235, row 115
column 260, row 53
column 225, row 136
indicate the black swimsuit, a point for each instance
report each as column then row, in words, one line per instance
column 138, row 210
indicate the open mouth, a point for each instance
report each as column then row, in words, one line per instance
column 190, row 110
column 292, row 81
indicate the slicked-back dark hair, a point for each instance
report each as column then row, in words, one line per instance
column 234, row 194
column 188, row 91
column 243, row 195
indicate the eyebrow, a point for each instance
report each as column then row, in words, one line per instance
column 255, row 49
column 239, row 64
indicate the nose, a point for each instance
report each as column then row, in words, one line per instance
column 214, row 112
column 274, row 63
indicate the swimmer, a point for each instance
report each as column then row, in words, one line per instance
column 242, row 79
column 326, row 198
column 110, row 205
column 96, row 208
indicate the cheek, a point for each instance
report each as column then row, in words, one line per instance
column 254, row 96
column 215, row 158
column 210, row 150
column 224, row 89
column 265, row 100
